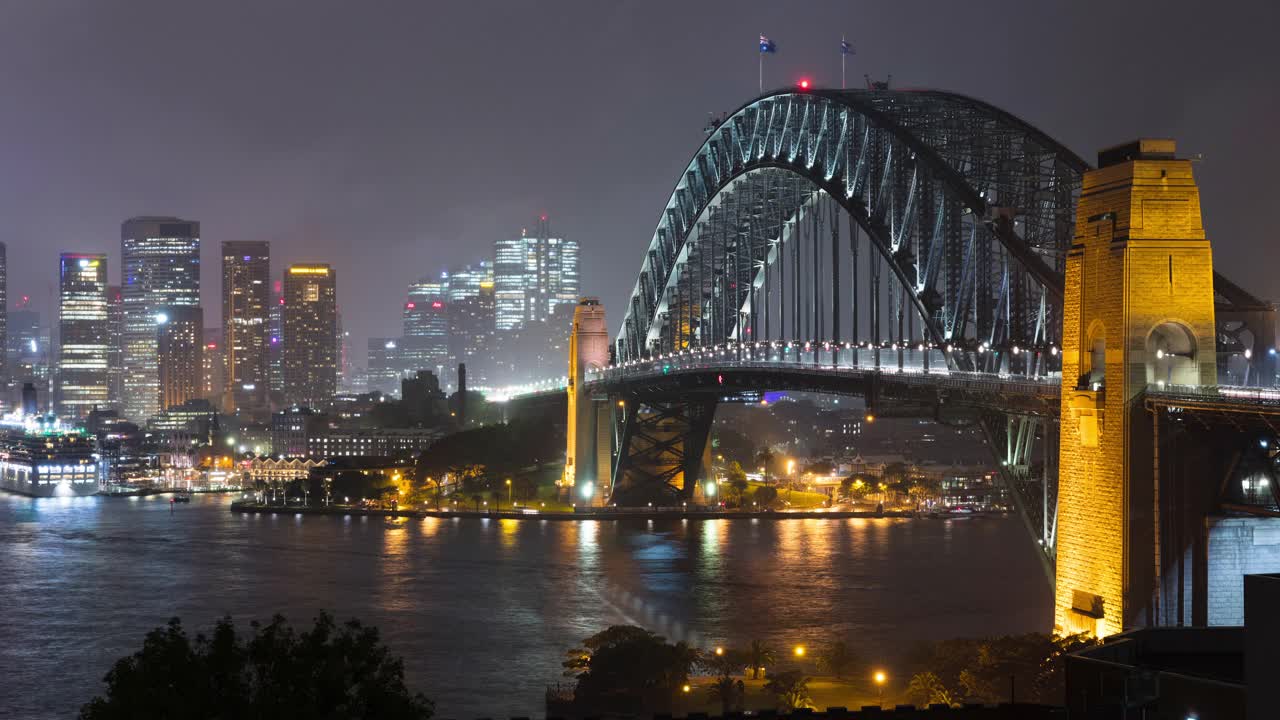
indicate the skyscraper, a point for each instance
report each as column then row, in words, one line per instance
column 161, row 268
column 246, row 331
column 82, row 331
column 4, row 315
column 385, row 366
column 179, row 349
column 533, row 275
column 28, row 351
column 115, row 348
column 471, row 334
column 425, row 341
column 275, row 349
column 310, row 341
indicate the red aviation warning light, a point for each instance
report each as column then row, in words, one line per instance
column 804, row 83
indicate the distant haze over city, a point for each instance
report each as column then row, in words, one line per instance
column 399, row 143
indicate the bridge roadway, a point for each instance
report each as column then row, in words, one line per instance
column 880, row 375
column 884, row 375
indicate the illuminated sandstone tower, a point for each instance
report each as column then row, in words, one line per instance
column 1137, row 311
column 588, row 350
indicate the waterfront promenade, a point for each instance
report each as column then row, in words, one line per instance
column 595, row 513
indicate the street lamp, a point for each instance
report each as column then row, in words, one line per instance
column 510, row 497
column 719, row 651
column 799, row 651
column 880, row 679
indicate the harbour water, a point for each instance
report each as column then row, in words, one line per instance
column 483, row 610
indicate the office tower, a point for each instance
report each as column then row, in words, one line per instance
column 385, row 365
column 533, row 275
column 161, row 268
column 471, row 334
column 310, row 324
column 4, row 315
column 82, row 333
column 213, row 364
column 425, row 341
column 246, row 330
column 275, row 349
column 179, row 348
column 28, row 347
column 115, row 348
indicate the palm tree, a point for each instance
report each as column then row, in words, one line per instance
column 760, row 655
column 725, row 690
column 765, row 458
column 790, row 690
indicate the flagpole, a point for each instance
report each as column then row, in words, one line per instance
column 843, row 55
column 761, row 53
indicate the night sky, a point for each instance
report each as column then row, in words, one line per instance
column 395, row 139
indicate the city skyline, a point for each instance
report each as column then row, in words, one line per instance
column 327, row 180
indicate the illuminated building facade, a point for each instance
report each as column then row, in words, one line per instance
column 115, row 352
column 385, row 365
column 161, row 268
column 83, row 342
column 179, row 353
column 309, row 358
column 246, row 330
column 425, row 342
column 4, row 315
column 213, row 365
column 533, row 275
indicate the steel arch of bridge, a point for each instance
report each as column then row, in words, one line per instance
column 966, row 214
column 970, row 209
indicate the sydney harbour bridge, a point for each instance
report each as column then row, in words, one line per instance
column 911, row 247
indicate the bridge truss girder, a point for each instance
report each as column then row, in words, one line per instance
column 661, row 445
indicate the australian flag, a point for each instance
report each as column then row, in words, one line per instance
column 846, row 48
column 766, row 45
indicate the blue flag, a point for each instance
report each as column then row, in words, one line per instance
column 846, row 48
column 767, row 45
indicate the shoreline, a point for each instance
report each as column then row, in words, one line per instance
column 595, row 514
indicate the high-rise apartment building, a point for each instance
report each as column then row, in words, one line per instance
column 161, row 269
column 179, row 352
column 28, row 350
column 425, row 341
column 83, row 344
column 246, row 328
column 309, row 361
column 533, row 275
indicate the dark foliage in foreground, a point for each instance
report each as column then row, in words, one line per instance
column 329, row 671
column 628, row 669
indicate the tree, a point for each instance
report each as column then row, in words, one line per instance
column 765, row 458
column 926, row 689
column 625, row 668
column 328, row 671
column 759, row 655
column 790, row 690
column 724, row 689
column 737, row 482
column 766, row 496
column 837, row 659
column 854, row 487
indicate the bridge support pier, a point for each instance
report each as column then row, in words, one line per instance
column 1138, row 310
column 662, row 450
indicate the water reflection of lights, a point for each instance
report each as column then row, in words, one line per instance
column 430, row 526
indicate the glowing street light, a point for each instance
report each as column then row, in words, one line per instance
column 799, row 651
column 880, row 677
column 719, row 651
